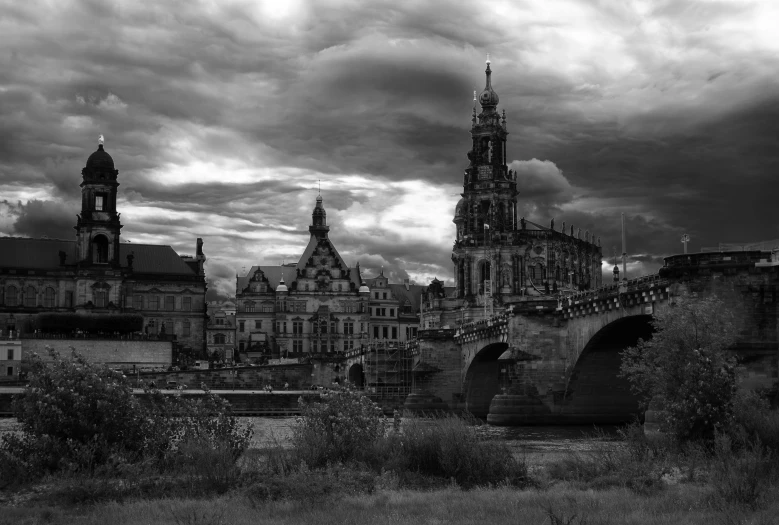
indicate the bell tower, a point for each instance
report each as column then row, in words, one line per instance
column 486, row 215
column 98, row 227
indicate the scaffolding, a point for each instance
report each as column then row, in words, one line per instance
column 387, row 369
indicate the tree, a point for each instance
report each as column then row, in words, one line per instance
column 687, row 366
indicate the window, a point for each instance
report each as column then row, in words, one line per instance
column 394, row 332
column 257, row 324
column 219, row 320
column 186, row 304
column 170, row 302
column 384, row 295
column 384, row 331
column 297, row 327
column 266, row 308
column 100, row 249
column 2, row 295
column 248, row 306
column 10, row 371
column 332, row 346
column 414, row 331
column 219, row 339
column 151, row 326
column 241, row 325
column 12, row 297
column 187, row 328
column 348, row 327
column 348, row 345
column 48, row 298
column 240, row 346
column 101, row 298
column 10, row 354
column 68, row 299
column 375, row 332
column 314, row 346
column 284, row 326
column 297, row 345
column 100, row 202
column 154, row 302
column 29, row 296
column 376, row 295
column 392, row 312
column 138, row 302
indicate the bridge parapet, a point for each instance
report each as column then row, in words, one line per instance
column 634, row 292
column 491, row 328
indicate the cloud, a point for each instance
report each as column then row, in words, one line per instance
column 37, row 218
column 222, row 118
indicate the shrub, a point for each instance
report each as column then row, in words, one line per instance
column 754, row 417
column 449, row 447
column 742, row 476
column 687, row 366
column 340, row 427
column 77, row 416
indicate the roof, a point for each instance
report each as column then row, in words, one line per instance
column 21, row 252
column 290, row 271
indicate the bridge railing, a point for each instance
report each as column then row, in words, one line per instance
column 613, row 289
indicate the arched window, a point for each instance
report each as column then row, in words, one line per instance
column 49, row 296
column 219, row 339
column 100, row 249
column 12, row 296
column 29, row 296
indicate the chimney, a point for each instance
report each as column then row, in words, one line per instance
column 405, row 281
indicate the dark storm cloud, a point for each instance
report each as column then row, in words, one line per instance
column 222, row 117
column 37, row 218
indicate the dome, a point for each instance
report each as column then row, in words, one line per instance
column 488, row 97
column 281, row 287
column 459, row 210
column 100, row 160
column 364, row 288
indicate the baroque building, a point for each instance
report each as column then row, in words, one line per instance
column 315, row 306
column 98, row 274
column 500, row 258
column 320, row 306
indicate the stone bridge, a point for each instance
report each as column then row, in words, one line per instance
column 555, row 360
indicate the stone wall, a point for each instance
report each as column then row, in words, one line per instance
column 124, row 353
column 298, row 376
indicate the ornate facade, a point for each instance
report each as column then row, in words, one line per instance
column 500, row 258
column 512, row 256
column 97, row 273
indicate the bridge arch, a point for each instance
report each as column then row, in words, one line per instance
column 594, row 391
column 356, row 375
column 482, row 379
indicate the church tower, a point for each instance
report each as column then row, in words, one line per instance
column 498, row 257
column 97, row 229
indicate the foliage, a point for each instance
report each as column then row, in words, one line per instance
column 449, row 447
column 339, row 427
column 77, row 416
column 743, row 476
column 687, row 366
column 754, row 418
column 67, row 322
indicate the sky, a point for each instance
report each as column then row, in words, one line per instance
column 225, row 117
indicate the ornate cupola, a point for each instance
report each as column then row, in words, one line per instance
column 319, row 227
column 489, row 189
column 98, row 226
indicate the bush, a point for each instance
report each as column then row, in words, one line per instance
column 340, row 427
column 449, row 447
column 77, row 416
column 754, row 418
column 687, row 367
column 745, row 475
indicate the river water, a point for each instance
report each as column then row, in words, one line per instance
column 538, row 444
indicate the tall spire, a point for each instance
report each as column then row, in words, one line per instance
column 488, row 98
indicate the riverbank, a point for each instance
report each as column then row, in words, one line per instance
column 561, row 504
